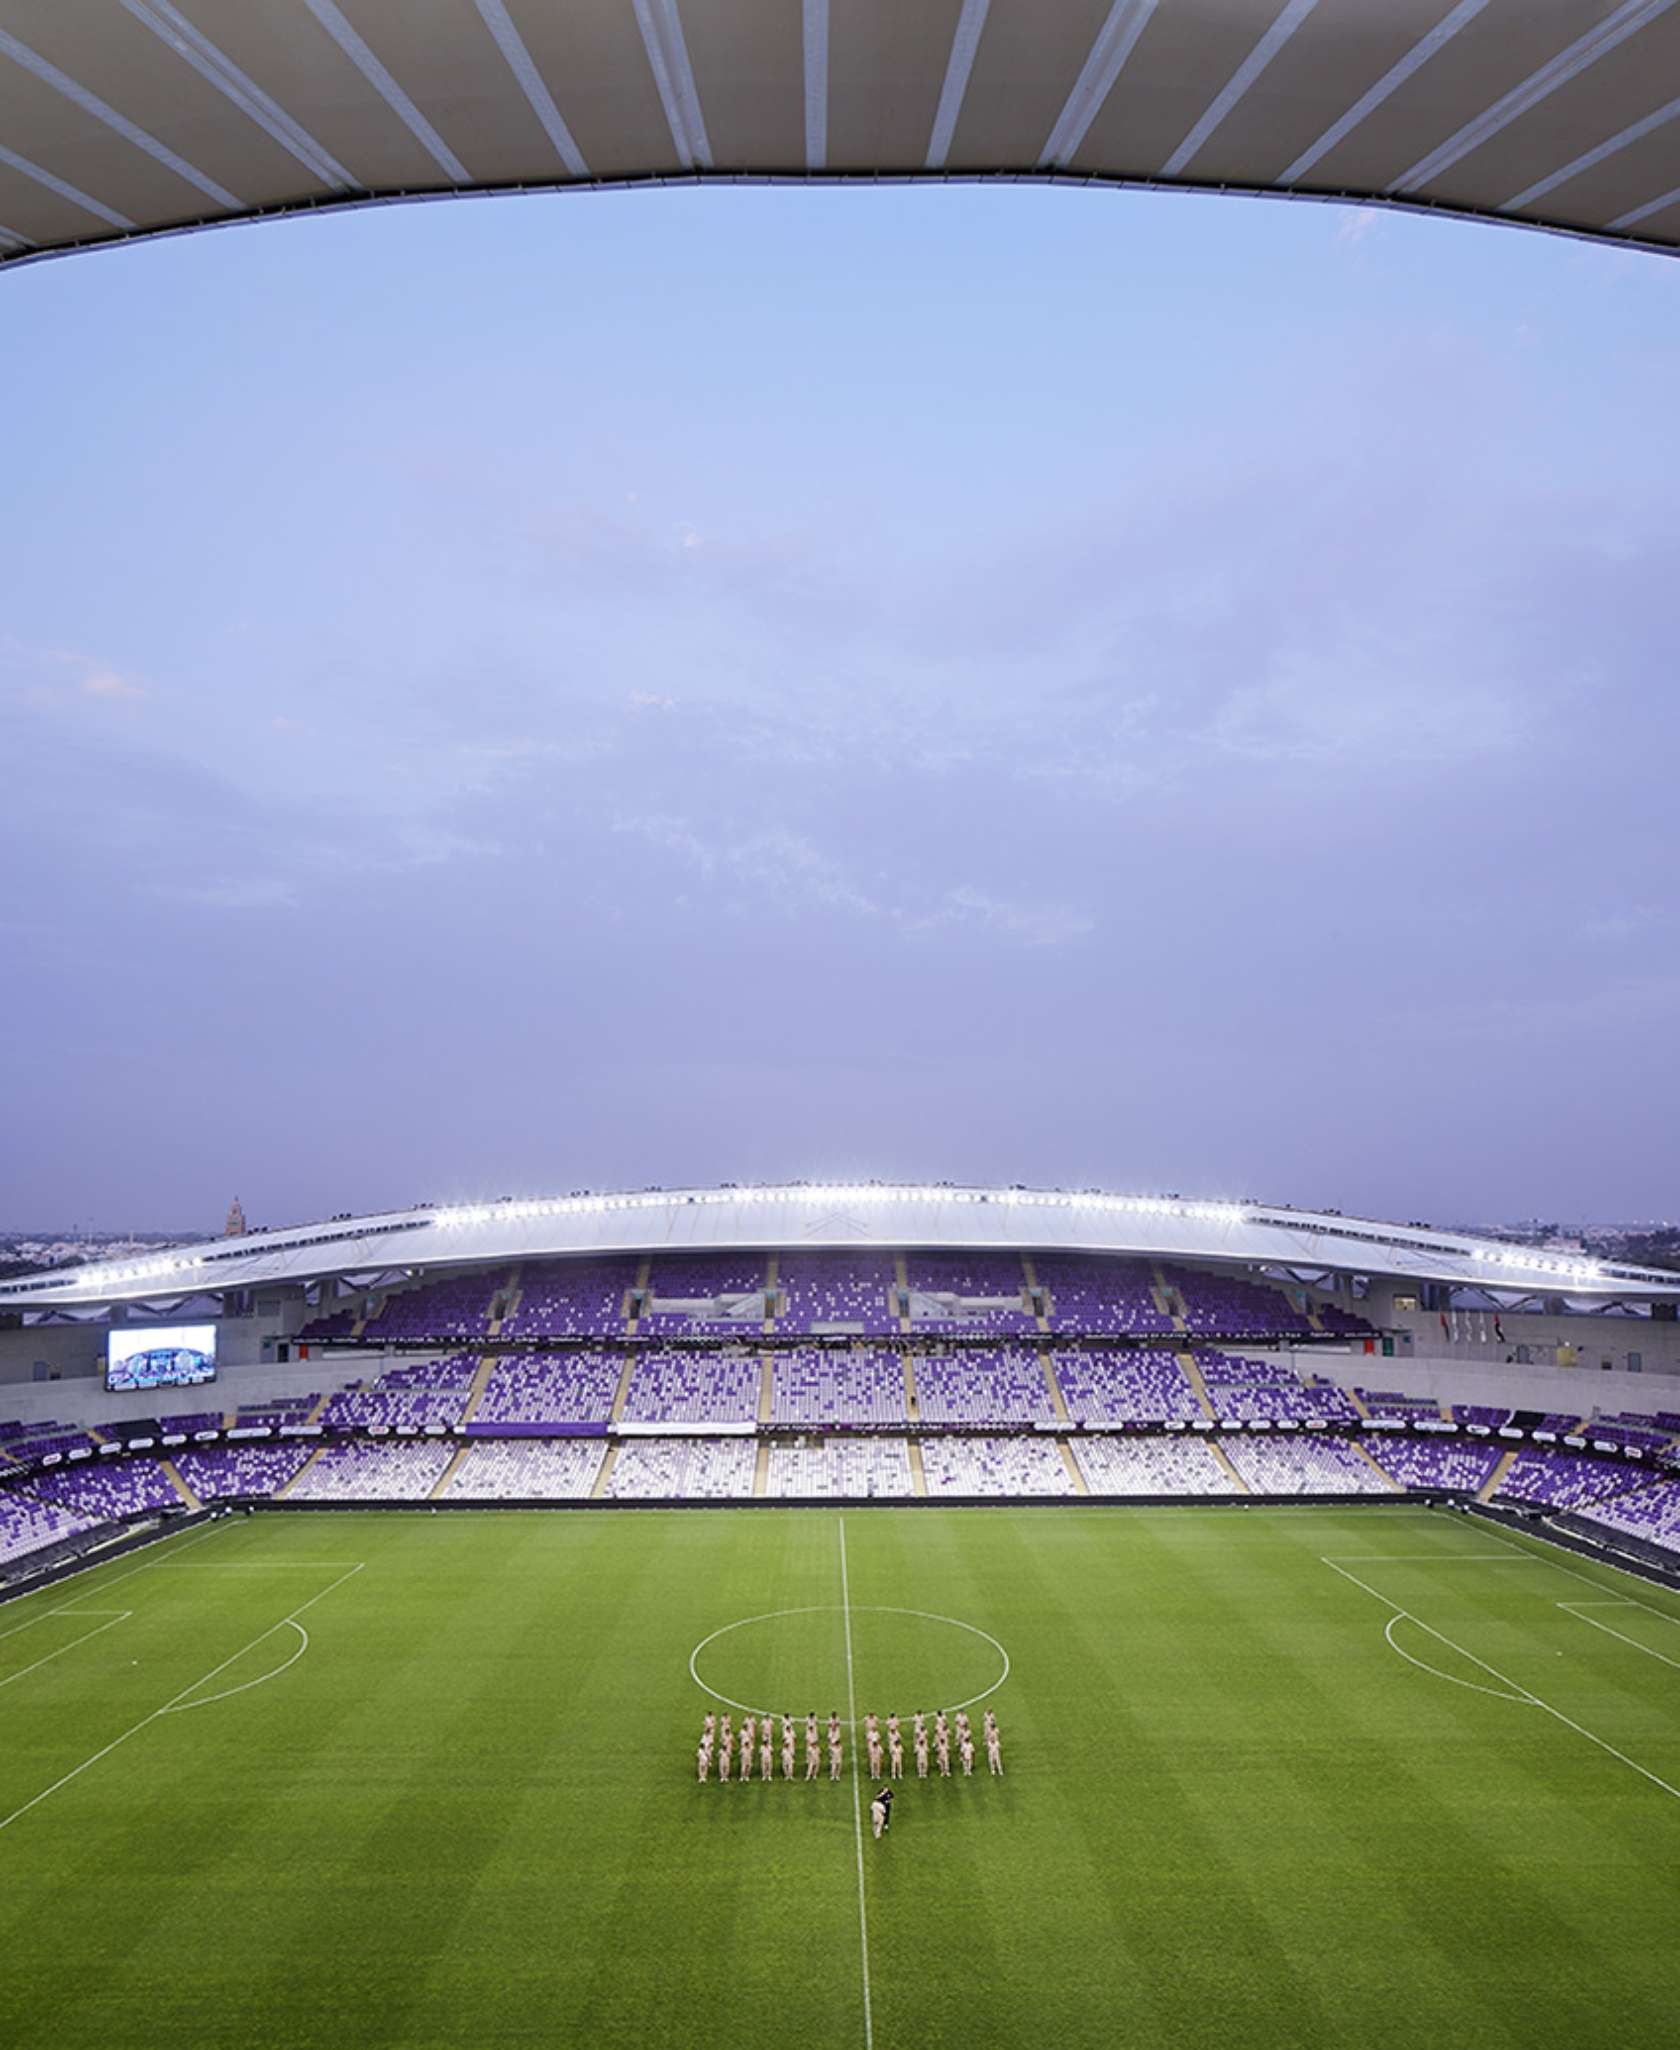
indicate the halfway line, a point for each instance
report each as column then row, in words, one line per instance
column 857, row 1801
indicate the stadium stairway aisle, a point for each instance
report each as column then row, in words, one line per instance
column 1376, row 1465
column 1191, row 1369
column 639, row 1291
column 1058, row 1402
column 282, row 1492
column 177, row 1480
column 611, row 1460
column 1495, row 1480
column 1167, row 1299
column 480, row 1381
column 441, row 1486
column 1080, row 1485
column 1237, row 1481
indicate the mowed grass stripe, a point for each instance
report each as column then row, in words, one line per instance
column 468, row 1815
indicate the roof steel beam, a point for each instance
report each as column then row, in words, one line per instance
column 531, row 83
column 1391, row 81
column 964, row 43
column 74, row 194
column 332, row 19
column 1636, row 131
column 816, row 84
column 1288, row 20
column 171, row 26
column 661, row 28
column 130, row 131
column 1585, row 51
column 1116, row 40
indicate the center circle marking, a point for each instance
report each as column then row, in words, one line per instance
column 835, row 1609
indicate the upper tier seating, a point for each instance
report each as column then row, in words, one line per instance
column 989, row 1291
column 431, row 1393
column 1216, row 1303
column 452, row 1309
column 570, row 1299
column 549, row 1388
column 709, row 1283
column 1241, row 1390
column 1125, row 1387
column 982, row 1388
column 1103, row 1297
column 827, row 1289
column 694, row 1388
column 850, row 1387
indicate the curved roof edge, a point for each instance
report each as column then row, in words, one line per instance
column 835, row 1217
column 1574, row 231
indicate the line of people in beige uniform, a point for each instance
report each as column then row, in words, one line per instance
column 757, row 1738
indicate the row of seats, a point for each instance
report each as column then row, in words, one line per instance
column 73, row 1500
column 868, row 1291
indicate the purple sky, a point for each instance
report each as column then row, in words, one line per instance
column 1006, row 684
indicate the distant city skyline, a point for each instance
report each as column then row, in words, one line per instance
column 1001, row 685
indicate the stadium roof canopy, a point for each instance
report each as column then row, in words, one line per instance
column 837, row 1216
column 134, row 117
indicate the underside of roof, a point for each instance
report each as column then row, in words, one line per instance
column 123, row 118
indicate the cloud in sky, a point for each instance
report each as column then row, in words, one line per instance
column 1168, row 715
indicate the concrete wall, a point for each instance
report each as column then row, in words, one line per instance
column 1579, row 1390
column 83, row 1398
column 1550, row 1339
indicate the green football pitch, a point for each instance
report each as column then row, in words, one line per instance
column 1283, row 1776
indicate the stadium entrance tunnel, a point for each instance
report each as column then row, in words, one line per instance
column 794, row 1661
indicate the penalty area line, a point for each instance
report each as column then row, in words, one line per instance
column 857, row 1800
column 114, row 1617
column 174, row 1701
column 1524, row 1695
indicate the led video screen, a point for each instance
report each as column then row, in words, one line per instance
column 161, row 1356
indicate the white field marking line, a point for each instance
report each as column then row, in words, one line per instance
column 857, row 1801
column 114, row 1617
column 227, row 1693
column 1621, row 1601
column 1586, row 1579
column 829, row 1609
column 145, row 1721
column 1423, row 1666
column 1425, row 1558
column 1504, row 1679
column 196, row 1538
column 1577, row 1610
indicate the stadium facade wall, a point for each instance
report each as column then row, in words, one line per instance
column 1480, row 1380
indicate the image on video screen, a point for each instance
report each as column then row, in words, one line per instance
column 166, row 1356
